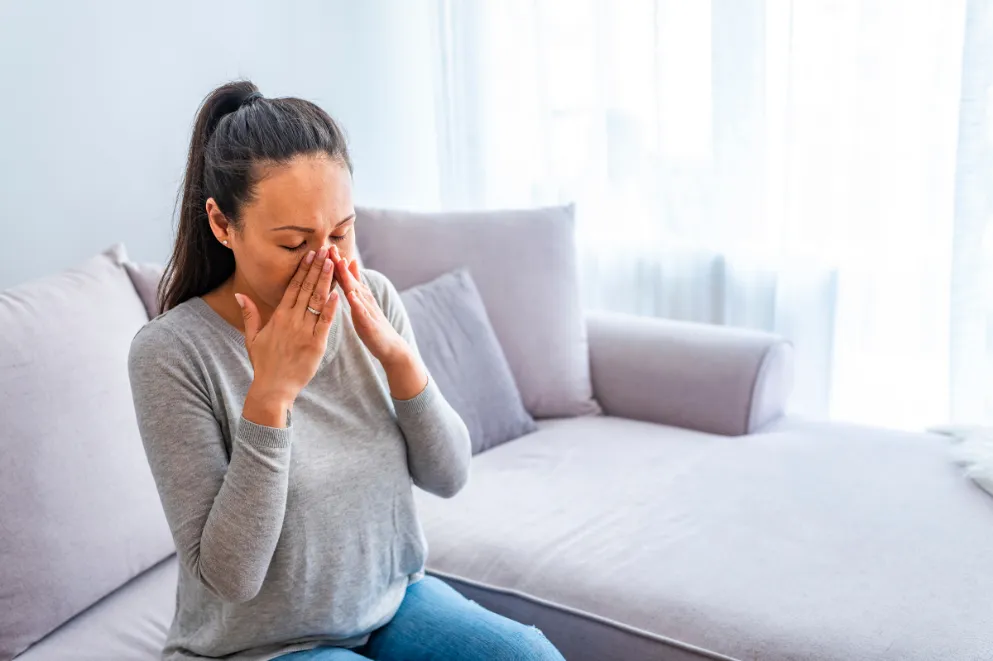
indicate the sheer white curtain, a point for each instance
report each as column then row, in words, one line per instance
column 972, row 251
column 801, row 167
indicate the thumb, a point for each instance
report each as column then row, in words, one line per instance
column 250, row 314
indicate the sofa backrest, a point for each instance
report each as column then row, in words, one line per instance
column 79, row 511
column 524, row 264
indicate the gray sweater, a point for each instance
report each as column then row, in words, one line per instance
column 288, row 538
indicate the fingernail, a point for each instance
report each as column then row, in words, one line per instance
column 327, row 265
column 324, row 252
column 310, row 256
column 241, row 303
column 333, row 296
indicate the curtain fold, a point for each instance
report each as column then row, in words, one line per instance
column 971, row 321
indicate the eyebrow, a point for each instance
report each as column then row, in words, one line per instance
column 310, row 230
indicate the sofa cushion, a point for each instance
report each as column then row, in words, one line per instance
column 460, row 350
column 805, row 542
column 524, row 264
column 129, row 624
column 145, row 277
column 81, row 515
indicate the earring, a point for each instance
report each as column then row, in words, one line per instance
column 224, row 242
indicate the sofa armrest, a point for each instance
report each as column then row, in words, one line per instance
column 712, row 379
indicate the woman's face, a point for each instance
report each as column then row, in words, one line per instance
column 301, row 206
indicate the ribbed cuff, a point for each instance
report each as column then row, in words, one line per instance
column 418, row 403
column 261, row 436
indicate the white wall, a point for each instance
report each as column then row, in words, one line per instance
column 97, row 99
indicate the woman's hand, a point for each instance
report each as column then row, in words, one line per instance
column 404, row 371
column 287, row 351
column 371, row 324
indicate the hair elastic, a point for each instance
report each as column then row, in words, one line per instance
column 251, row 97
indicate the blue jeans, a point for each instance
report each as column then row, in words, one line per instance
column 436, row 623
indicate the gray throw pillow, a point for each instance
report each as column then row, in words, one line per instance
column 463, row 356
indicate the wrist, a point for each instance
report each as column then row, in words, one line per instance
column 401, row 358
column 267, row 408
column 405, row 374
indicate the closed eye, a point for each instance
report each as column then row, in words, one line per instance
column 334, row 237
column 341, row 237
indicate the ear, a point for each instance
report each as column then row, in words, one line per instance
column 219, row 224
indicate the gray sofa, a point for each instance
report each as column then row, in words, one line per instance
column 686, row 519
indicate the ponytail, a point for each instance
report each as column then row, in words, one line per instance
column 236, row 128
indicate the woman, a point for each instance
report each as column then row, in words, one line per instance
column 286, row 414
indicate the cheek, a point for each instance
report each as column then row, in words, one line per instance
column 346, row 248
column 271, row 276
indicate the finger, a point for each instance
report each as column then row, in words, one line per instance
column 310, row 282
column 348, row 281
column 327, row 315
column 324, row 284
column 293, row 289
column 335, row 258
column 358, row 305
column 361, row 287
column 250, row 315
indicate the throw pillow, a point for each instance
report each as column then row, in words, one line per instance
column 81, row 515
column 463, row 356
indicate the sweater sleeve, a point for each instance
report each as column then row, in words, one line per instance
column 438, row 446
column 225, row 512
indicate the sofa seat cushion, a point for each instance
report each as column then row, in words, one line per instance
column 625, row 540
column 129, row 624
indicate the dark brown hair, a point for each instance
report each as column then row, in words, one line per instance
column 236, row 134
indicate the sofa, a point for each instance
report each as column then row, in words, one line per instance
column 677, row 514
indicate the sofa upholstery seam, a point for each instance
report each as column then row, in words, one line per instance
column 584, row 614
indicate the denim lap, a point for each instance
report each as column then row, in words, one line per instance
column 436, row 623
column 323, row 654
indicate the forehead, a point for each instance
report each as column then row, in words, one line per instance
column 308, row 189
